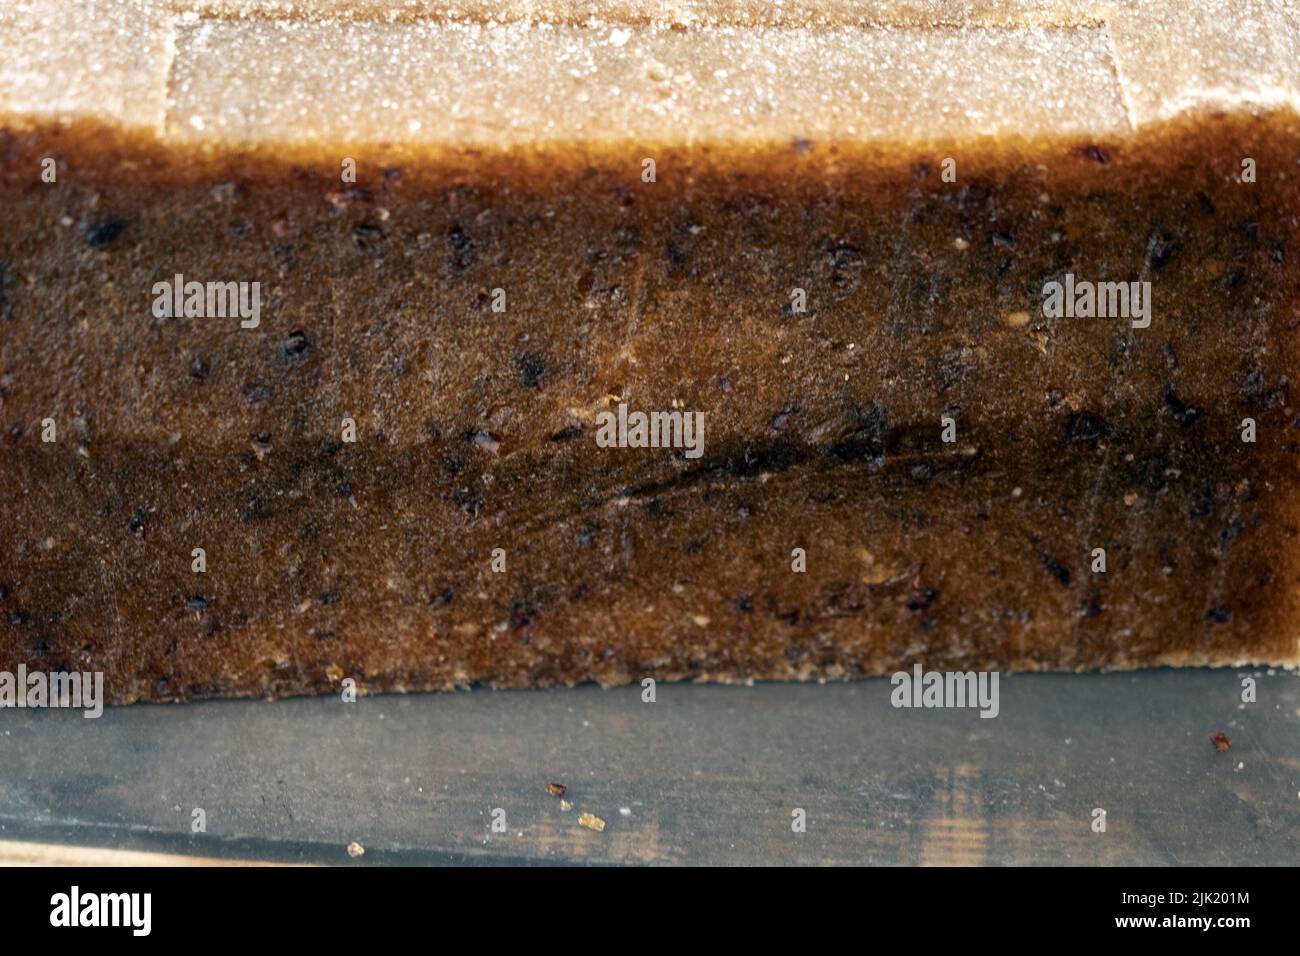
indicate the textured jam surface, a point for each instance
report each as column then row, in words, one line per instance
column 476, row 428
column 791, row 151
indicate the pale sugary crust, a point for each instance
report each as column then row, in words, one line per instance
column 439, row 75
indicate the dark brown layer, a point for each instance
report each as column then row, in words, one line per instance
column 476, row 428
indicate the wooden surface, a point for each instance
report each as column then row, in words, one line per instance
column 22, row 853
column 707, row 774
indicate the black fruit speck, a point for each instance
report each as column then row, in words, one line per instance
column 531, row 367
column 1059, row 571
column 104, row 233
column 328, row 598
column 522, row 614
column 1096, row 154
column 296, row 345
column 1219, row 615
column 1183, row 413
column 678, row 259
column 462, row 248
column 367, row 236
column 1085, row 426
column 198, row 603
column 1230, row 533
column 923, row 602
column 1159, row 251
column 843, row 255
column 6, row 307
